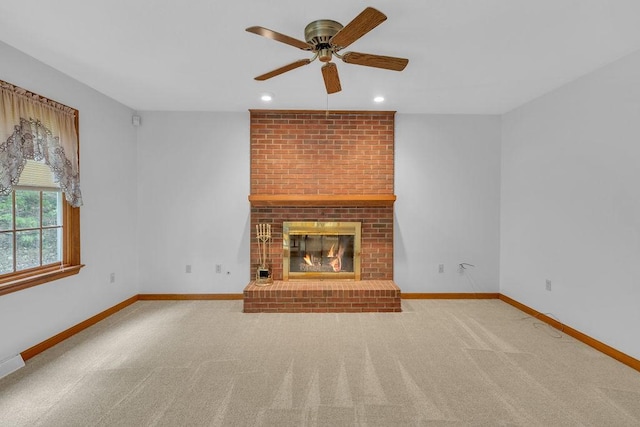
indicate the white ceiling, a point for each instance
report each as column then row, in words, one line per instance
column 466, row 56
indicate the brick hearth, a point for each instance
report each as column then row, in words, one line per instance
column 323, row 297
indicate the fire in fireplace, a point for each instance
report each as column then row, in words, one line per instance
column 321, row 250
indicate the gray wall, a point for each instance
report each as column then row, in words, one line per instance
column 571, row 204
column 108, row 217
column 447, row 179
column 193, row 184
column 194, row 181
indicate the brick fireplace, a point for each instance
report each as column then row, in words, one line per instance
column 309, row 166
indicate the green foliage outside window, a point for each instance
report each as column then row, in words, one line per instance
column 30, row 229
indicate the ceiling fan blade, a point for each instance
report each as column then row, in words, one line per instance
column 274, row 35
column 358, row 27
column 378, row 61
column 284, row 69
column 331, row 78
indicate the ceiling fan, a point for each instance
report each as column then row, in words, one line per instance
column 326, row 38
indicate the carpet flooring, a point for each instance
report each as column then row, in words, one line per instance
column 205, row 363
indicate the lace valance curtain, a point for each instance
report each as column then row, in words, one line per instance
column 36, row 128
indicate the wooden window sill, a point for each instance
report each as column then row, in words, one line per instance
column 19, row 281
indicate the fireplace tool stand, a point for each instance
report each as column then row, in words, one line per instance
column 263, row 235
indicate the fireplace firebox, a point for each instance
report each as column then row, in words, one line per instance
column 321, row 250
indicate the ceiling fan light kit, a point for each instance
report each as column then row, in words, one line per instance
column 325, row 38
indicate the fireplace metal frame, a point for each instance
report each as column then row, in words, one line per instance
column 320, row 228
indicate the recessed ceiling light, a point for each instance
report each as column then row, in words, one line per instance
column 378, row 99
column 266, row 97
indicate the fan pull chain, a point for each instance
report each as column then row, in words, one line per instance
column 327, row 111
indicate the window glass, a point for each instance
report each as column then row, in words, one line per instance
column 31, row 223
column 6, row 212
column 51, row 245
column 27, row 209
column 51, row 208
column 6, row 249
column 27, row 249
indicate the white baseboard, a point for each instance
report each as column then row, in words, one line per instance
column 11, row 365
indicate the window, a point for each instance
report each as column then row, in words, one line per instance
column 39, row 227
column 31, row 221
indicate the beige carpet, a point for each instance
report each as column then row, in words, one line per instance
column 439, row 363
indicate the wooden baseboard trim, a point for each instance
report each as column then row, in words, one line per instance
column 446, row 295
column 586, row 339
column 600, row 346
column 46, row 344
column 183, row 297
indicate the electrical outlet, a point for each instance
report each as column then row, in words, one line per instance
column 112, row 277
column 441, row 268
column 548, row 285
column 188, row 268
column 218, row 268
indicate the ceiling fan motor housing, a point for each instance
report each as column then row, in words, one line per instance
column 318, row 34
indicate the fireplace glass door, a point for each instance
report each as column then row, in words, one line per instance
column 321, row 250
